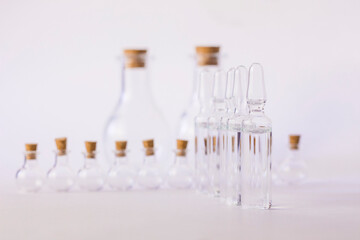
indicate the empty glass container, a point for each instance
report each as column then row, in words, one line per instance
column 61, row 176
column 29, row 177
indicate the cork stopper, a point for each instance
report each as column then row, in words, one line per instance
column 294, row 141
column 207, row 55
column 90, row 149
column 61, row 145
column 149, row 147
column 181, row 147
column 120, row 147
column 135, row 58
column 30, row 148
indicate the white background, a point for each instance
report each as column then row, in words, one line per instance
column 59, row 75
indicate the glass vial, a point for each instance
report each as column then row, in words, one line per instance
column 292, row 170
column 29, row 177
column 61, row 177
column 136, row 104
column 256, row 138
column 91, row 176
column 149, row 176
column 181, row 174
column 207, row 58
column 121, row 175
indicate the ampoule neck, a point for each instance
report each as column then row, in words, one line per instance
column 256, row 107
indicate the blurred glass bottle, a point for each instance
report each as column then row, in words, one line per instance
column 293, row 169
column 256, row 140
column 202, row 181
column 61, row 177
column 91, row 176
column 121, row 175
column 136, row 116
column 149, row 176
column 181, row 174
column 207, row 58
column 29, row 177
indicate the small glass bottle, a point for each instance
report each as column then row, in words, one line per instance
column 149, row 176
column 61, row 177
column 207, row 58
column 292, row 170
column 29, row 177
column 256, row 140
column 91, row 176
column 181, row 174
column 121, row 175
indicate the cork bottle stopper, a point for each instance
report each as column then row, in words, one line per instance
column 149, row 147
column 294, row 141
column 181, row 147
column 31, row 148
column 135, row 58
column 120, row 147
column 207, row 55
column 61, row 145
column 90, row 149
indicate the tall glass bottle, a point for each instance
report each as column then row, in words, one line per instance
column 29, row 177
column 256, row 140
column 207, row 58
column 218, row 111
column 202, row 180
column 136, row 116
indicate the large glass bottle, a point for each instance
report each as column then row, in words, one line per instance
column 202, row 180
column 207, row 58
column 136, row 116
column 256, row 140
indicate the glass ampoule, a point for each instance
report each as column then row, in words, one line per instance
column 202, row 181
column 218, row 111
column 181, row 174
column 121, row 175
column 207, row 58
column 135, row 104
column 256, row 140
column 292, row 170
column 61, row 176
column 231, row 174
column 91, row 176
column 149, row 176
column 29, row 177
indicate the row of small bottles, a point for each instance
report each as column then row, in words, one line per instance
column 234, row 137
column 121, row 176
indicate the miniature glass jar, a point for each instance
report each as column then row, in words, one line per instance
column 29, row 177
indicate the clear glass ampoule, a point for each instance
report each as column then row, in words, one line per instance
column 181, row 174
column 207, row 58
column 292, row 170
column 218, row 111
column 121, row 175
column 61, row 176
column 231, row 176
column 91, row 176
column 136, row 116
column 29, row 177
column 202, row 181
column 256, row 143
column 149, row 176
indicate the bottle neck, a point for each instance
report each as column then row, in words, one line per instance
column 149, row 160
column 30, row 163
column 135, row 84
column 196, row 82
column 180, row 160
column 61, row 159
column 120, row 160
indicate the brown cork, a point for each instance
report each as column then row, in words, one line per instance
column 61, row 145
column 120, row 147
column 181, row 147
column 214, row 143
column 207, row 55
column 90, row 149
column 135, row 58
column 233, row 144
column 294, row 141
column 206, row 146
column 31, row 151
column 149, row 147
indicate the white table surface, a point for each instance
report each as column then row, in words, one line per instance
column 320, row 210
